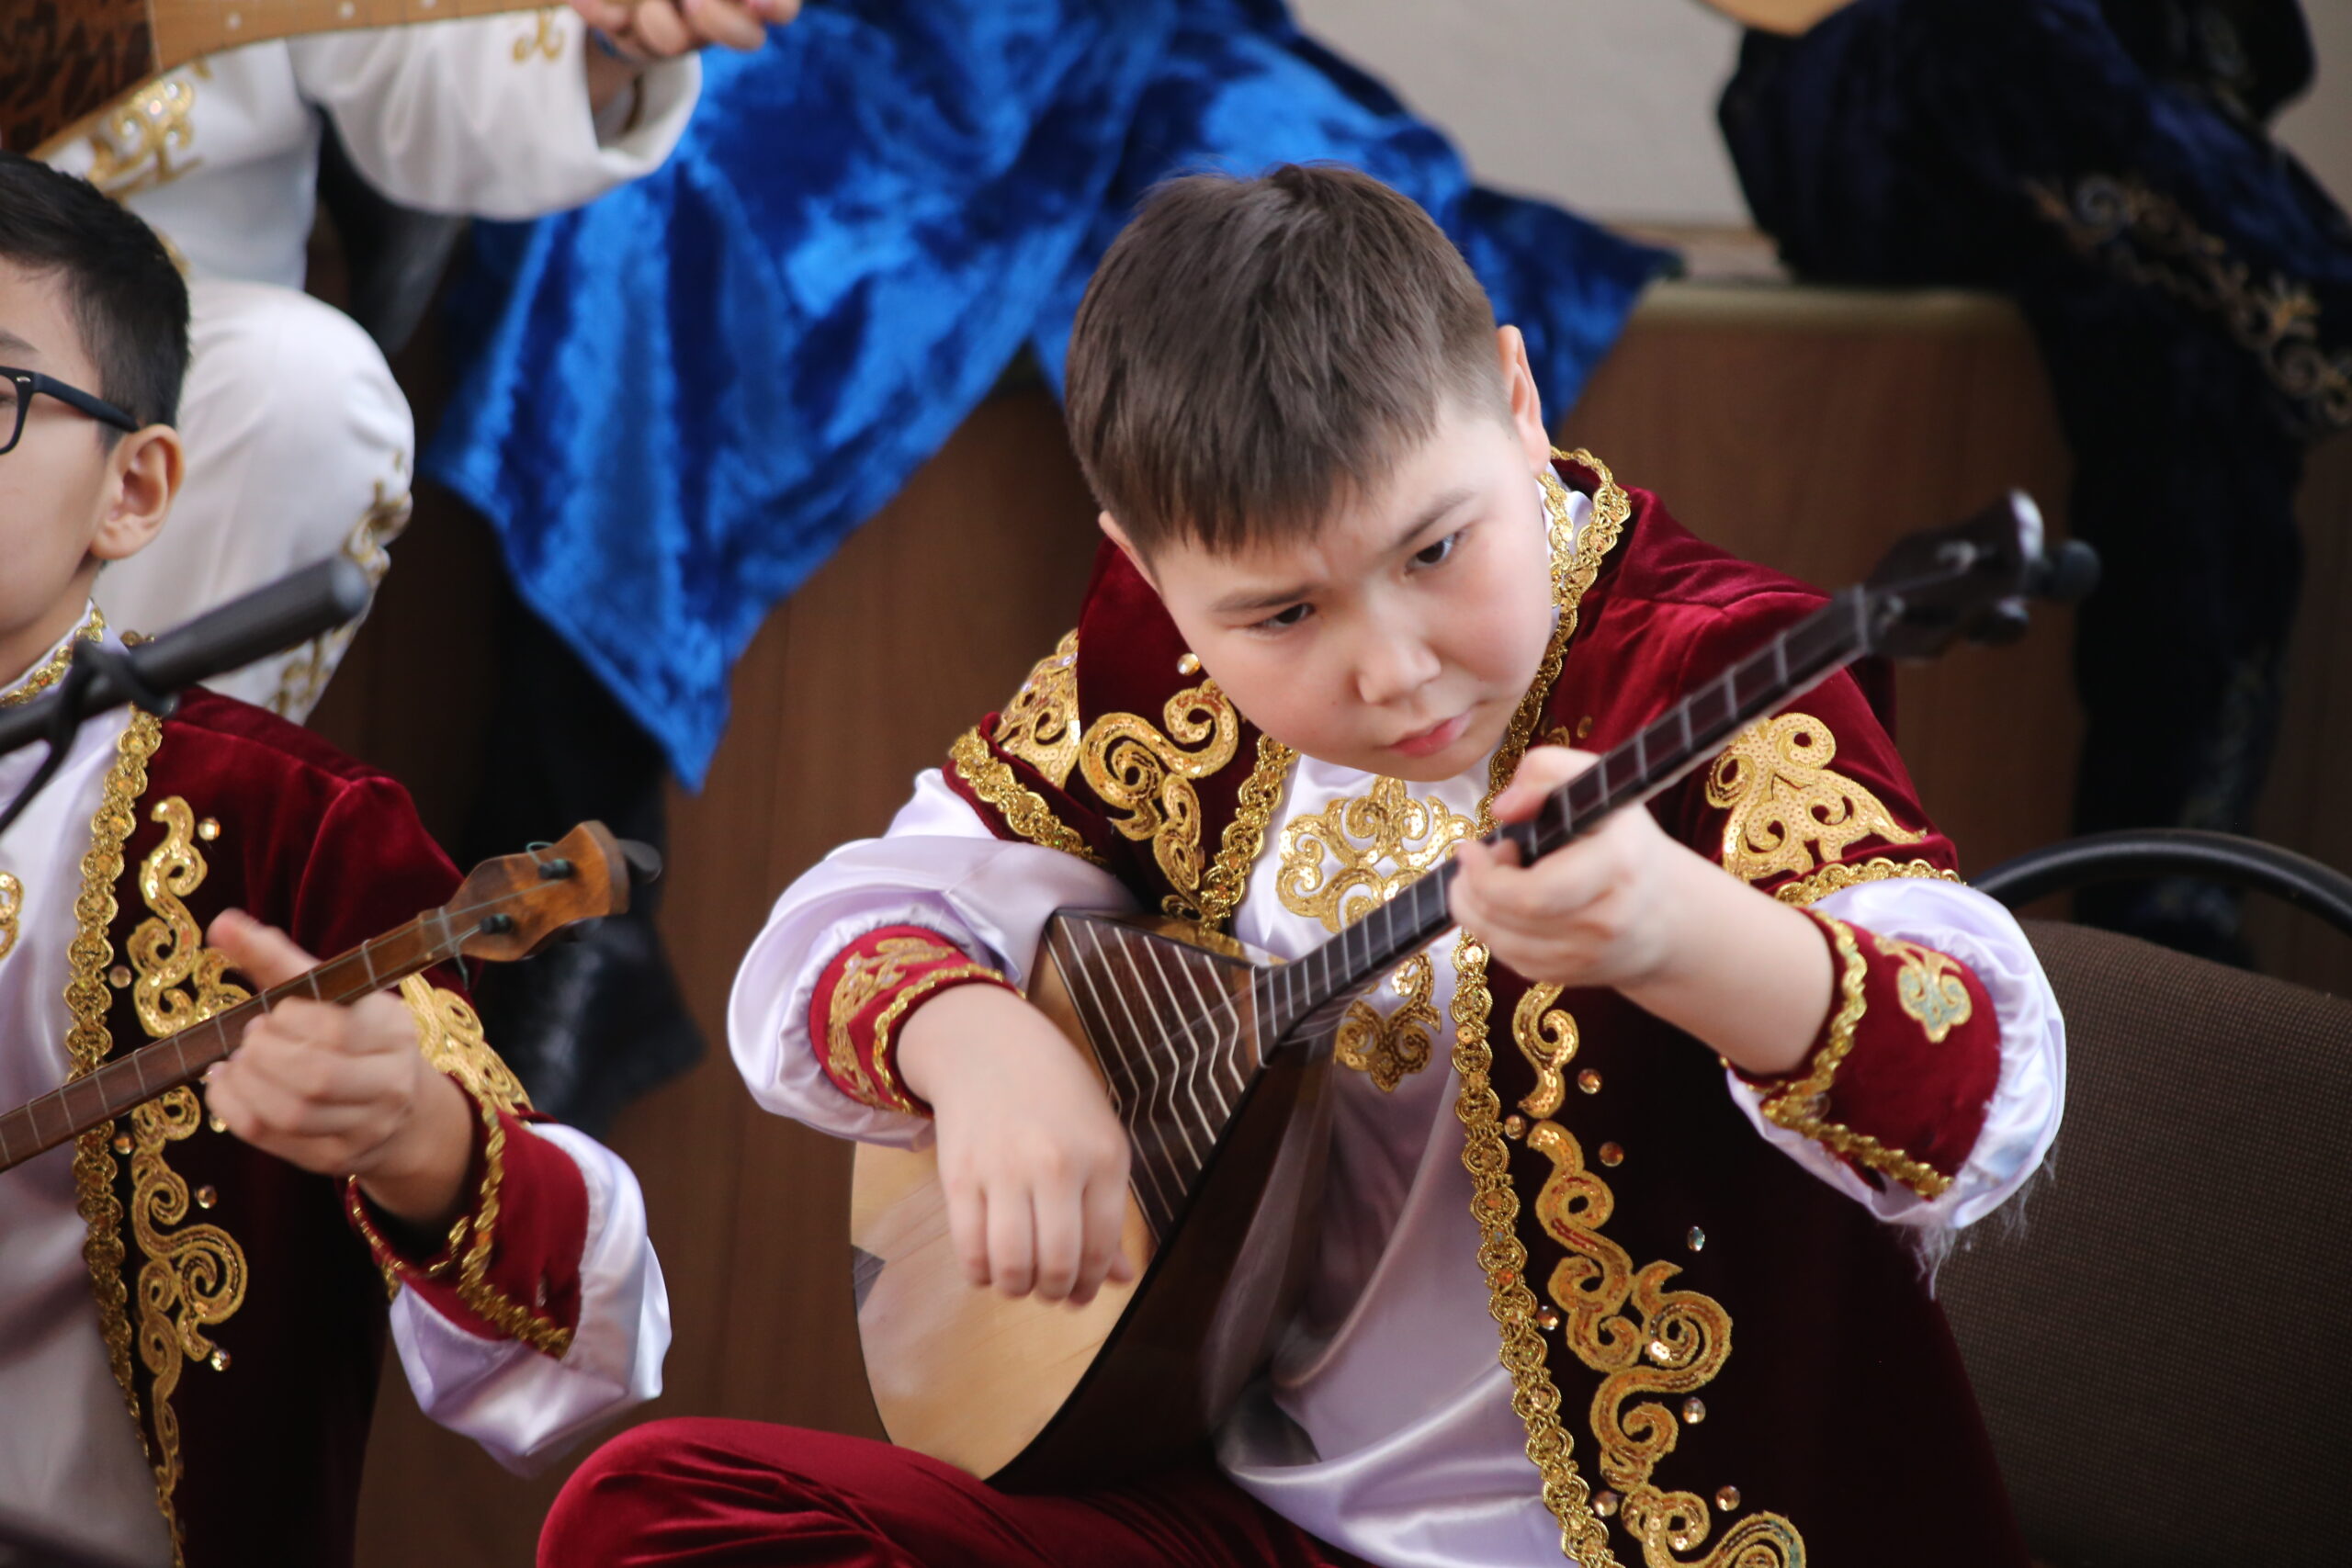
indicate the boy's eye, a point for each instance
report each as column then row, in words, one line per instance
column 1281, row 618
column 1435, row 555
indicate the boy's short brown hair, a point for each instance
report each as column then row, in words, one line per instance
column 1252, row 351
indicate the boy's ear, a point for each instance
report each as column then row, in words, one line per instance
column 1526, row 404
column 143, row 473
column 1118, row 536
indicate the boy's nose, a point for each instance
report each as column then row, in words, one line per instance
column 1389, row 670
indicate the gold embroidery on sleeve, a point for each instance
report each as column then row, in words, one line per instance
column 1838, row 875
column 866, row 976
column 503, row 1312
column 1024, row 810
column 1776, row 782
column 1801, row 1105
column 1137, row 769
column 887, row 1022
column 1930, row 986
column 1546, row 1036
column 1040, row 724
column 1391, row 1047
column 1382, row 840
column 449, row 1034
column 133, row 143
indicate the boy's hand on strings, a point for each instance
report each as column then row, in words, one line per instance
column 1598, row 912
column 341, row 1090
column 1628, row 907
column 1031, row 1158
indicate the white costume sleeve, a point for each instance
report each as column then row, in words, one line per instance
column 938, row 867
column 2031, row 1092
column 525, row 1407
column 488, row 116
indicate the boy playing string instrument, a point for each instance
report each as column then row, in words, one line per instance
column 210, row 1405
column 1714, row 1066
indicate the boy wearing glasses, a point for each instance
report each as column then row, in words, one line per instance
column 191, row 1299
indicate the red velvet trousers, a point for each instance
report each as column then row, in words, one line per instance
column 745, row 1494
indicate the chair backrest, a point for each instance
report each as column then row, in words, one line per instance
column 2161, row 1335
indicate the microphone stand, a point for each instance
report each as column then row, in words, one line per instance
column 271, row 618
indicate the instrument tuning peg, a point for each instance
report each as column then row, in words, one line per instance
column 644, row 861
column 2067, row 575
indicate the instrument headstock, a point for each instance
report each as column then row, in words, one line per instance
column 1970, row 580
column 512, row 906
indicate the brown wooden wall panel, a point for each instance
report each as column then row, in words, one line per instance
column 1804, row 428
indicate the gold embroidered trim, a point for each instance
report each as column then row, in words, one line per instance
column 866, row 976
column 303, row 676
column 1838, row 875
column 12, row 906
column 1546, row 1036
column 1776, row 782
column 1245, row 837
column 1024, row 810
column 51, row 670
column 180, row 981
column 2144, row 237
column 1406, row 835
column 133, row 142
column 1391, row 1047
column 193, row 1276
column 1040, row 724
column 1928, row 987
column 886, row 1025
column 450, row 1034
column 89, row 1042
column 1494, row 1206
column 1801, row 1105
column 1139, row 770
column 1672, row 1342
column 488, row 1302
column 544, row 39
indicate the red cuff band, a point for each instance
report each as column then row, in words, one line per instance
column 867, row 992
column 1901, row 1077
column 511, row 1267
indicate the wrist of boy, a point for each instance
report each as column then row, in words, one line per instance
column 416, row 1176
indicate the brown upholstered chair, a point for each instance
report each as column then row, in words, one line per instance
column 2158, row 1328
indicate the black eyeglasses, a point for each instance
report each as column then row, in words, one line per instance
column 16, row 391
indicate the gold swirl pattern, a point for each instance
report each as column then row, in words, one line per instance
column 866, row 976
column 449, row 1034
column 180, row 980
column 1139, row 770
column 1546, row 1036
column 1024, row 810
column 89, row 1042
column 1040, row 724
column 1776, row 782
column 1382, row 840
column 1928, row 987
column 1838, row 875
column 1801, row 1105
column 1493, row 1206
column 1391, row 1047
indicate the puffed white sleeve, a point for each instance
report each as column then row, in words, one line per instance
column 490, row 116
column 938, row 867
column 2022, row 1117
column 525, row 1407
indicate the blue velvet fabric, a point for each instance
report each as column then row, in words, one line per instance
column 674, row 404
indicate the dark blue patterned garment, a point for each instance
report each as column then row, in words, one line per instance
column 2191, row 288
column 674, row 404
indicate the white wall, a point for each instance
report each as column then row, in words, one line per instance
column 1608, row 105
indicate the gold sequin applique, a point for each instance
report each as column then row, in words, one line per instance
column 1928, row 987
column 1380, row 841
column 1024, row 810
column 450, row 1034
column 135, row 144
column 1139, row 770
column 51, row 670
column 1546, row 1036
column 1040, row 724
column 1776, row 782
column 1838, row 875
column 866, row 976
column 1391, row 1047
column 12, row 906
